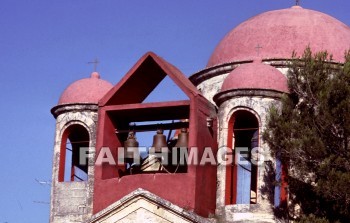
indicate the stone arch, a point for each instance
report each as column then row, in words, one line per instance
column 75, row 137
column 243, row 134
column 243, row 108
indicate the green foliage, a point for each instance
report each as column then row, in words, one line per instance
column 312, row 218
column 310, row 133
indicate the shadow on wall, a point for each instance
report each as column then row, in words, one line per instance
column 268, row 190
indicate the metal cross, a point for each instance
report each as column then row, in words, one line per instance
column 95, row 62
column 297, row 2
column 258, row 47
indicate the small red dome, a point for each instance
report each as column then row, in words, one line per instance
column 276, row 34
column 255, row 76
column 87, row 90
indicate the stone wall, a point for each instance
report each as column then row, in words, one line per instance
column 259, row 106
column 72, row 201
column 258, row 103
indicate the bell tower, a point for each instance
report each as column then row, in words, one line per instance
column 74, row 150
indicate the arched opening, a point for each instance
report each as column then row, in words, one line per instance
column 74, row 154
column 242, row 175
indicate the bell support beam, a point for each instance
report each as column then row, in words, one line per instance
column 156, row 111
column 153, row 127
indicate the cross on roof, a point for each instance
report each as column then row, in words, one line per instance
column 258, row 47
column 297, row 2
column 95, row 62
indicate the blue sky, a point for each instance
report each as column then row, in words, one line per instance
column 46, row 44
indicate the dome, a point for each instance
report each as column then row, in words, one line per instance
column 87, row 90
column 276, row 34
column 255, row 76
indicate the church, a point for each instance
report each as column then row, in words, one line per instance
column 102, row 172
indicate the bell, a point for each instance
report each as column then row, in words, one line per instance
column 131, row 146
column 159, row 142
column 182, row 141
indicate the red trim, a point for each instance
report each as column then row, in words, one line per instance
column 231, row 177
column 151, row 105
column 62, row 162
column 284, row 183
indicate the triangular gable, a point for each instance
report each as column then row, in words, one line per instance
column 141, row 204
column 143, row 78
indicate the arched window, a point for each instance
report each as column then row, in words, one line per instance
column 73, row 157
column 242, row 175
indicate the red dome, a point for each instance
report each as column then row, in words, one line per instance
column 280, row 32
column 87, row 90
column 255, row 76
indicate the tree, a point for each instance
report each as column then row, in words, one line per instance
column 310, row 134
